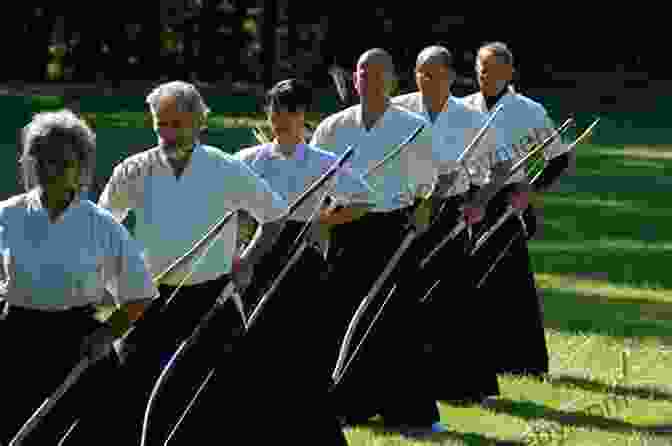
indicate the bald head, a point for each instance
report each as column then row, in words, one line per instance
column 375, row 73
column 434, row 76
column 377, row 56
column 435, row 55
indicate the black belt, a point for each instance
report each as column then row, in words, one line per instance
column 84, row 310
column 395, row 213
column 225, row 276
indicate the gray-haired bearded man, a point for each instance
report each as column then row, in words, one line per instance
column 179, row 190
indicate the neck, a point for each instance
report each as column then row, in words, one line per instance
column 180, row 153
column 373, row 108
column 435, row 103
column 490, row 101
column 56, row 199
column 287, row 148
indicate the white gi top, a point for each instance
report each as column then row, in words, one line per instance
column 398, row 182
column 172, row 214
column 520, row 122
column 452, row 131
column 68, row 263
column 290, row 177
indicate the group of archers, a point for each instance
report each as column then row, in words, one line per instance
column 437, row 330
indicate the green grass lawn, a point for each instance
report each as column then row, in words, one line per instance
column 602, row 263
column 602, row 268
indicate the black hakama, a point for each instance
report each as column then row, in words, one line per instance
column 273, row 380
column 39, row 350
column 518, row 337
column 385, row 378
column 150, row 346
column 457, row 358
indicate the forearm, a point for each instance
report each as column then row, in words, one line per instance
column 263, row 241
column 342, row 215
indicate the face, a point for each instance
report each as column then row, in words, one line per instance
column 492, row 74
column 176, row 129
column 433, row 80
column 369, row 79
column 287, row 126
column 60, row 172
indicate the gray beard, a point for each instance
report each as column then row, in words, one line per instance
column 177, row 152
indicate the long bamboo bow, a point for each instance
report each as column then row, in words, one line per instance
column 510, row 211
column 341, row 365
column 298, row 246
column 228, row 292
column 489, row 191
column 198, row 251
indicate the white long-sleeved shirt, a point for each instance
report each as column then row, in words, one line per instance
column 172, row 214
column 291, row 176
column 452, row 131
column 70, row 262
column 520, row 122
column 413, row 173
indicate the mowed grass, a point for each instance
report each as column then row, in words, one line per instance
column 602, row 262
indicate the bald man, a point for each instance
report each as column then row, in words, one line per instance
column 521, row 342
column 461, row 372
column 377, row 383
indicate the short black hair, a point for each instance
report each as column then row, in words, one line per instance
column 291, row 94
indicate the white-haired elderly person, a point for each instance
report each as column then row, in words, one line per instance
column 59, row 254
column 178, row 190
column 521, row 342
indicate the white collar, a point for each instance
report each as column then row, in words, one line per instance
column 269, row 151
column 510, row 93
column 34, row 202
column 359, row 116
column 444, row 108
column 164, row 158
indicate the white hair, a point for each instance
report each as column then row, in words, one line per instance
column 187, row 97
column 56, row 133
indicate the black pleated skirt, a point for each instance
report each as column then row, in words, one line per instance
column 39, row 350
column 272, row 382
column 386, row 375
column 454, row 316
column 518, row 336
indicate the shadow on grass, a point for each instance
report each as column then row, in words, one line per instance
column 643, row 392
column 570, row 311
column 623, row 161
column 626, row 237
column 593, row 215
column 467, row 438
column 530, row 411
